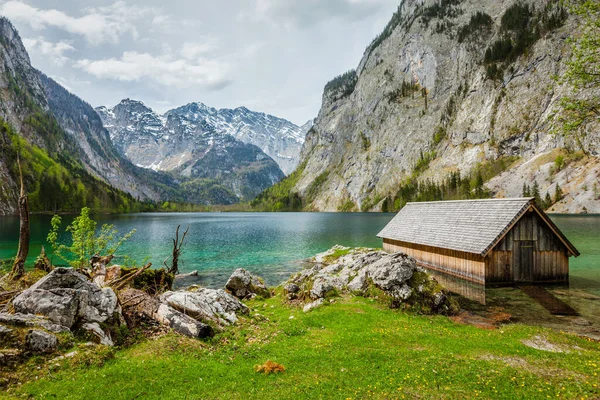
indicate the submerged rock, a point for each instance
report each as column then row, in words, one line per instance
column 243, row 284
column 214, row 305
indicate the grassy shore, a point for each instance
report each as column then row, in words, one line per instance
column 355, row 348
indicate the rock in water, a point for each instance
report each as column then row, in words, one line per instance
column 66, row 296
column 214, row 305
column 40, row 342
column 243, row 284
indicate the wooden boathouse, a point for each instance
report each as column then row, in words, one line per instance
column 491, row 241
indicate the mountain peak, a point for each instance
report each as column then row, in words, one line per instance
column 280, row 139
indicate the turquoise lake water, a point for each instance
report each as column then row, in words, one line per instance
column 273, row 245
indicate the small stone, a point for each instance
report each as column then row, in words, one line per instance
column 4, row 330
column 311, row 306
column 40, row 342
column 291, row 288
column 243, row 284
column 101, row 337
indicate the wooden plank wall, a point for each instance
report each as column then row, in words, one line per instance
column 464, row 265
column 550, row 256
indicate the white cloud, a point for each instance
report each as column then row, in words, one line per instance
column 192, row 51
column 307, row 13
column 54, row 51
column 98, row 25
column 164, row 70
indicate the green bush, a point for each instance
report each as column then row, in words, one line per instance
column 85, row 240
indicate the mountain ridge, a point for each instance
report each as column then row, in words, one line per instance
column 277, row 137
column 453, row 87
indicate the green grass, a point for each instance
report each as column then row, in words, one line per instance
column 336, row 254
column 354, row 348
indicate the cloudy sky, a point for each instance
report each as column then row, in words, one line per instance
column 268, row 55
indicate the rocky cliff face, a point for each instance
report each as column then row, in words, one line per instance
column 189, row 146
column 15, row 65
column 131, row 124
column 451, row 86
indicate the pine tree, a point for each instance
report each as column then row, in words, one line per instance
column 547, row 201
column 558, row 194
column 526, row 190
column 536, row 193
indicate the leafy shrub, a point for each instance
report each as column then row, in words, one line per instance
column 423, row 162
column 85, row 241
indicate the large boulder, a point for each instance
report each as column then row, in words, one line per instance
column 66, row 297
column 208, row 305
column 395, row 276
column 392, row 273
column 243, row 284
column 140, row 305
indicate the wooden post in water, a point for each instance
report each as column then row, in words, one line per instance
column 18, row 269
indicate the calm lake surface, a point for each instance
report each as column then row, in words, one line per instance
column 273, row 245
column 269, row 244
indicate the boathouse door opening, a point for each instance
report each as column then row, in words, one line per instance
column 525, row 262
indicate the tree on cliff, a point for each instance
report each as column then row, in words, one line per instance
column 582, row 74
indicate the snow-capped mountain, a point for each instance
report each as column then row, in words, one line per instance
column 280, row 139
column 193, row 150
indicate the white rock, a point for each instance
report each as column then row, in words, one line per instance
column 311, row 306
column 214, row 305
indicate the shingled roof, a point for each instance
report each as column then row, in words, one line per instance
column 472, row 226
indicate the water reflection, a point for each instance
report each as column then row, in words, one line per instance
column 467, row 289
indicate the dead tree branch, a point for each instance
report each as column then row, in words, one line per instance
column 177, row 244
column 120, row 283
